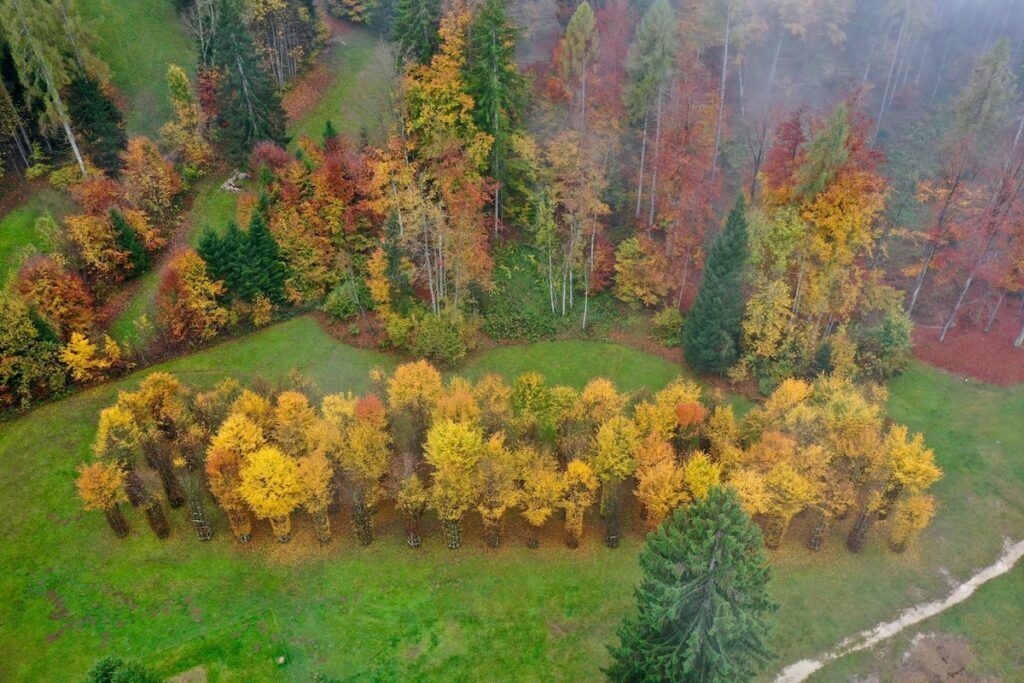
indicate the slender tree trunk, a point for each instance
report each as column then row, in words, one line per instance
column 889, row 80
column 200, row 522
column 643, row 154
column 411, row 522
column 116, row 520
column 157, row 519
column 759, row 155
column 859, row 532
column 892, row 492
column 589, row 274
column 817, row 538
column 995, row 311
column 721, row 96
column 492, row 532
column 282, row 528
column 654, row 162
column 322, row 526
column 362, row 522
column 241, row 524
column 1019, row 341
column 453, row 533
column 775, row 529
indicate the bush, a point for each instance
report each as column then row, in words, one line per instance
column 883, row 349
column 668, row 326
column 346, row 300
column 444, row 339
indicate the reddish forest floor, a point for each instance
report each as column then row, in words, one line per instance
column 970, row 352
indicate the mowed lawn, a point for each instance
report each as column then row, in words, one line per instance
column 73, row 592
column 137, row 40
column 18, row 226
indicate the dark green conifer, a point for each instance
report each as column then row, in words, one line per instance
column 415, row 28
column 97, row 121
column 702, row 600
column 128, row 240
column 711, row 332
column 264, row 257
column 248, row 105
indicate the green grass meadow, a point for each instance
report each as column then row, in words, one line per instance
column 138, row 39
column 73, row 592
column 18, row 226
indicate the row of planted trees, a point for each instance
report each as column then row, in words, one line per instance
column 493, row 448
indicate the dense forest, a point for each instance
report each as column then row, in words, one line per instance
column 786, row 198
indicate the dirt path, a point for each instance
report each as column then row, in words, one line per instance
column 802, row 670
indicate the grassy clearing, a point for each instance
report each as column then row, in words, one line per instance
column 388, row 613
column 18, row 226
column 348, row 86
column 138, row 39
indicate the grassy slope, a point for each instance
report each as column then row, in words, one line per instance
column 388, row 612
column 351, row 98
column 18, row 227
column 137, row 40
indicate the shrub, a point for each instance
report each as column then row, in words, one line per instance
column 444, row 339
column 884, row 349
column 668, row 326
column 346, row 300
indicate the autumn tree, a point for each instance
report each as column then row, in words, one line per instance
column 579, row 491
column 576, row 54
column 185, row 135
column 911, row 516
column 497, row 484
column 660, row 484
column 187, row 300
column 365, row 458
column 237, row 438
column 613, row 459
column 101, row 487
column 316, row 477
column 702, row 602
column 150, row 181
column 57, row 293
column 273, row 489
column 543, row 487
column 413, row 390
column 453, row 450
column 711, row 334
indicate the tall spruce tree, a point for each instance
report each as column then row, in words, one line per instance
column 248, row 105
column 702, row 600
column 494, row 82
column 128, row 240
column 415, row 28
column 268, row 271
column 98, row 121
column 711, row 332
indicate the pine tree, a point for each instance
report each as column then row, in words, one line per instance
column 98, row 121
column 495, row 84
column 128, row 240
column 415, row 28
column 711, row 333
column 248, row 105
column 702, row 600
column 264, row 260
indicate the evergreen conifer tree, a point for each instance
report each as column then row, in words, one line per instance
column 702, row 600
column 98, row 121
column 494, row 82
column 711, row 332
column 128, row 240
column 415, row 28
column 248, row 105
column 264, row 259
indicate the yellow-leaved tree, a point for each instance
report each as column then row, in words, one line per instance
column 497, row 481
column 542, row 490
column 272, row 488
column 453, row 450
column 413, row 390
column 364, row 458
column 316, row 476
column 660, row 485
column 292, row 420
column 612, row 458
column 911, row 516
column 579, row 491
column 101, row 487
